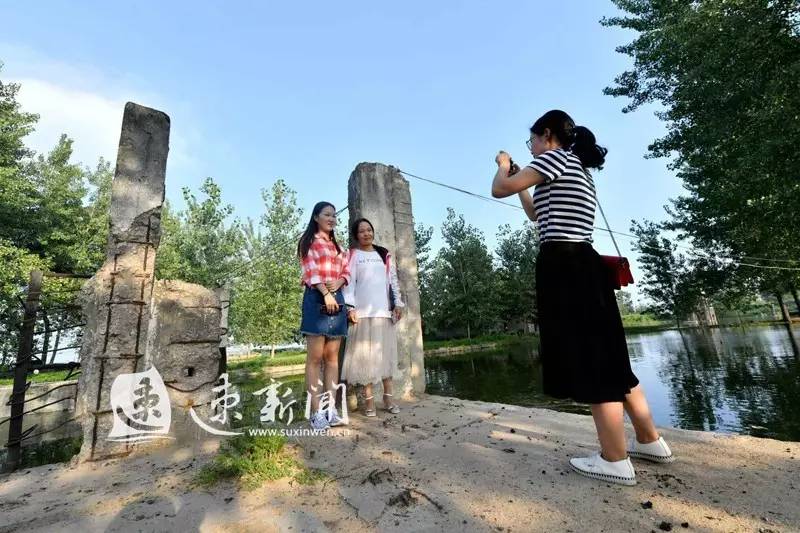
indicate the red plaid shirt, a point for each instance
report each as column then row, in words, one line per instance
column 325, row 263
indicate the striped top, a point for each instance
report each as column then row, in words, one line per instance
column 565, row 202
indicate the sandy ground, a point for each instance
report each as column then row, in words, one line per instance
column 441, row 465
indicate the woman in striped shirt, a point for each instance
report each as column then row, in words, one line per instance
column 582, row 343
column 326, row 269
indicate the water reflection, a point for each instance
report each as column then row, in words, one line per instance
column 512, row 377
column 730, row 380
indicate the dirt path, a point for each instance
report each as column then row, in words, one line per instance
column 441, row 465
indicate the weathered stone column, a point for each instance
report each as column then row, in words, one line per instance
column 381, row 194
column 117, row 299
column 184, row 346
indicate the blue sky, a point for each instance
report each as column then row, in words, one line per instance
column 258, row 91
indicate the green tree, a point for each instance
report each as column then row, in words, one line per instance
column 53, row 216
column 625, row 303
column 267, row 298
column 94, row 233
column 726, row 73
column 200, row 244
column 516, row 274
column 19, row 208
column 422, row 242
column 15, row 267
column 463, row 281
column 669, row 280
column 61, row 213
column 17, row 192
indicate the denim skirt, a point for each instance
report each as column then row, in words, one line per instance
column 315, row 321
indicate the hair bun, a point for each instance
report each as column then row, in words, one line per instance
column 577, row 139
column 585, row 146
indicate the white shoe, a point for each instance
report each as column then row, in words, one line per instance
column 596, row 467
column 335, row 420
column 656, row 452
column 318, row 421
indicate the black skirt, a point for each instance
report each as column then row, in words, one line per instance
column 582, row 343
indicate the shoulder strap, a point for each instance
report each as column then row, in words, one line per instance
column 605, row 220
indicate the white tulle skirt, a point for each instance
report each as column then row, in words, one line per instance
column 370, row 354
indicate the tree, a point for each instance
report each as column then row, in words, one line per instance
column 61, row 214
column 15, row 267
column 200, row 245
column 625, row 303
column 726, row 72
column 17, row 203
column 266, row 300
column 422, row 241
column 463, row 281
column 516, row 274
column 669, row 280
column 17, row 192
column 94, row 233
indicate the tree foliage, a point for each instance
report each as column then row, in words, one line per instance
column 267, row 299
column 200, row 244
column 516, row 274
column 462, row 283
column 726, row 74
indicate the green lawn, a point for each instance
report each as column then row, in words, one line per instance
column 41, row 377
column 499, row 339
column 286, row 358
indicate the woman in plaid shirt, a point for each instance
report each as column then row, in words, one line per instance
column 325, row 270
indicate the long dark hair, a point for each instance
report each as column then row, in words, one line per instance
column 383, row 252
column 308, row 235
column 577, row 139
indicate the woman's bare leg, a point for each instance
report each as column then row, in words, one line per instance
column 331, row 359
column 639, row 412
column 609, row 421
column 315, row 344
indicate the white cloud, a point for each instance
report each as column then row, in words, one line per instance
column 87, row 104
column 92, row 120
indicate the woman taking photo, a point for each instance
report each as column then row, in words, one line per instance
column 582, row 343
column 326, row 269
column 374, row 302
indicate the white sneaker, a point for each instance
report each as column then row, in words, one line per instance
column 656, row 452
column 336, row 420
column 596, row 467
column 318, row 421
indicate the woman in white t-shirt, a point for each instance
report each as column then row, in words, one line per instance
column 374, row 305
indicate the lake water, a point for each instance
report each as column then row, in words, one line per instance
column 732, row 380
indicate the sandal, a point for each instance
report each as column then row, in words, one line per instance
column 391, row 408
column 369, row 412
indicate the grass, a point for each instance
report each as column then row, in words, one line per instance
column 287, row 358
column 310, row 476
column 252, row 461
column 250, row 406
column 500, row 339
column 56, row 451
column 42, row 377
column 644, row 323
column 647, row 328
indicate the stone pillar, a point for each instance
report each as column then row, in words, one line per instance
column 184, row 346
column 381, row 194
column 118, row 298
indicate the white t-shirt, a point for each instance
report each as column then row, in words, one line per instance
column 368, row 290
